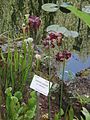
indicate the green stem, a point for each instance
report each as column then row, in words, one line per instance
column 37, row 108
column 37, row 64
column 61, row 91
column 66, row 111
column 49, row 114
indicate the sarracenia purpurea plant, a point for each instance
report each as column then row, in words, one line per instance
column 18, row 110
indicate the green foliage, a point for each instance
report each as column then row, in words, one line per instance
column 17, row 66
column 16, row 110
column 18, row 94
column 57, row 115
column 80, row 14
column 20, row 4
column 83, row 99
column 71, row 113
column 86, row 113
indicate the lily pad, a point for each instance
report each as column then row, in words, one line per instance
column 63, row 7
column 50, row 7
column 86, row 9
column 56, row 28
column 73, row 34
column 63, row 30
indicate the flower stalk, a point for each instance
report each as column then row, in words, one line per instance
column 49, row 103
column 61, row 91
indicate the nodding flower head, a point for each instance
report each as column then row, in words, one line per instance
column 34, row 22
column 66, row 54
column 48, row 42
column 61, row 56
column 53, row 38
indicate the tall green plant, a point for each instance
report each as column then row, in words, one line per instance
column 16, row 66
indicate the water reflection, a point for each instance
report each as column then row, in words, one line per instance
column 74, row 65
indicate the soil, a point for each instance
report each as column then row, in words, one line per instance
column 79, row 86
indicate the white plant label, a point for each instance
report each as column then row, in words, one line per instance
column 40, row 85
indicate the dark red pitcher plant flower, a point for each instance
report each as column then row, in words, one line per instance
column 51, row 39
column 34, row 22
column 61, row 56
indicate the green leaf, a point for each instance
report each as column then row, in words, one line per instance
column 71, row 113
column 20, row 118
column 57, row 115
column 50, row 7
column 33, row 94
column 9, row 91
column 18, row 94
column 23, row 109
column 3, row 58
column 86, row 113
column 14, row 99
column 30, row 113
column 32, row 102
column 80, row 14
column 16, row 62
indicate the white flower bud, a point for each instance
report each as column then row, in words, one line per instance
column 38, row 57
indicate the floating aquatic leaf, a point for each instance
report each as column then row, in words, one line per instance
column 73, row 34
column 86, row 9
column 63, row 30
column 50, row 7
column 63, row 7
column 56, row 28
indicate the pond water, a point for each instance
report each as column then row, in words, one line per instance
column 74, row 64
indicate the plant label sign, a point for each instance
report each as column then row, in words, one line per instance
column 40, row 85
